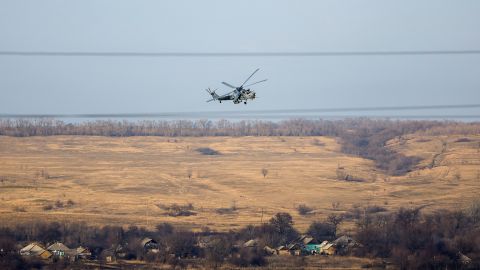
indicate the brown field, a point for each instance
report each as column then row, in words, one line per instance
column 122, row 181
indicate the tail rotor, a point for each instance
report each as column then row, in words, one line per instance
column 213, row 94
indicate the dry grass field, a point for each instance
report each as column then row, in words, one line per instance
column 128, row 181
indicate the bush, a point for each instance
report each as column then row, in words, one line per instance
column 322, row 231
column 176, row 210
column 304, row 210
column 59, row 204
column 226, row 211
column 207, row 151
column 19, row 209
column 463, row 140
column 249, row 257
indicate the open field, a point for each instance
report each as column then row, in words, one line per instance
column 130, row 180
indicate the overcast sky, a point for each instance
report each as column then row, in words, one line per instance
column 46, row 84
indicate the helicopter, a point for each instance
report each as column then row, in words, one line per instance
column 239, row 94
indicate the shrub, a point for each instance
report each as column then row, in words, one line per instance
column 176, row 210
column 249, row 257
column 303, row 209
column 59, row 204
column 463, row 140
column 207, row 151
column 19, row 209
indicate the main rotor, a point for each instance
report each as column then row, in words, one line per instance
column 241, row 87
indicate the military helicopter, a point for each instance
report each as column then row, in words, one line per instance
column 239, row 94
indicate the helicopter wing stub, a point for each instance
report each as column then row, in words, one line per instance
column 225, row 97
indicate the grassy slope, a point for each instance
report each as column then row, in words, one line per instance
column 121, row 180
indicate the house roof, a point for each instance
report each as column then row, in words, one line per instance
column 327, row 246
column 324, row 243
column 58, row 246
column 250, row 243
column 463, row 258
column 33, row 249
column 147, row 240
column 45, row 254
column 293, row 246
column 305, row 239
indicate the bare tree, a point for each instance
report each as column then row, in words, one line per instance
column 335, row 220
column 264, row 172
column 335, row 205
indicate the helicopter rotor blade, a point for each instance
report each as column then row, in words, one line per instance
column 255, row 83
column 250, row 77
column 229, row 85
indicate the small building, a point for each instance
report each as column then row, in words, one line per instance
column 150, row 245
column 282, row 251
column 82, row 253
column 463, row 259
column 270, row 251
column 295, row 249
column 60, row 250
column 108, row 255
column 250, row 243
column 328, row 249
column 36, row 250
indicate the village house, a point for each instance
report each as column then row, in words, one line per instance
column 328, row 249
column 282, row 251
column 270, row 251
column 250, row 243
column 108, row 255
column 295, row 249
column 83, row 253
column 36, row 250
column 150, row 245
column 60, row 250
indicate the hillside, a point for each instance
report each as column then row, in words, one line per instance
column 135, row 180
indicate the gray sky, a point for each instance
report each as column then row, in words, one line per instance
column 132, row 85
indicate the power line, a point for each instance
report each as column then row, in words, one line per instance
column 239, row 54
column 275, row 112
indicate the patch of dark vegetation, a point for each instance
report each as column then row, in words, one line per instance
column 207, row 151
column 177, row 210
column 317, row 142
column 372, row 209
column 423, row 140
column 19, row 209
column 304, row 210
column 343, row 175
column 461, row 140
column 58, row 205
column 226, row 211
